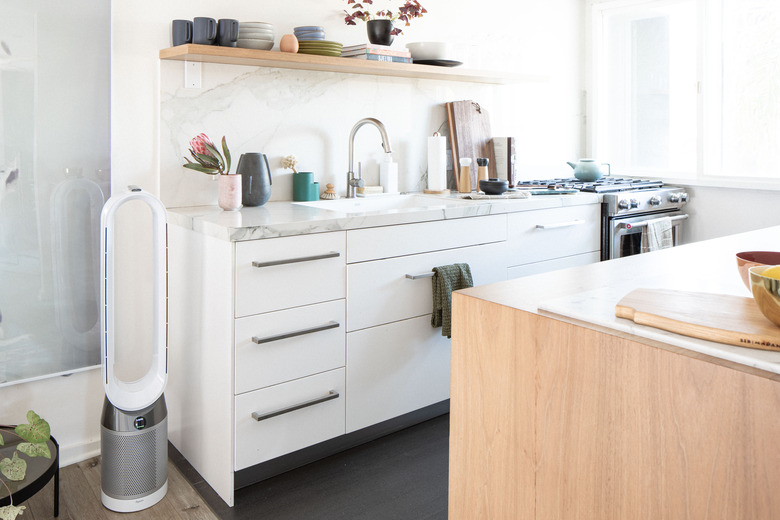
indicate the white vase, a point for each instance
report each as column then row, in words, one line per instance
column 230, row 192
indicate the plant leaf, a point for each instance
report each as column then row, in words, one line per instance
column 13, row 469
column 2, row 442
column 227, row 154
column 206, row 160
column 218, row 156
column 11, row 512
column 201, row 169
column 37, row 449
column 36, row 431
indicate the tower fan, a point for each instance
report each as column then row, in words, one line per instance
column 134, row 431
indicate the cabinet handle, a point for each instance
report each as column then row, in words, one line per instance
column 257, row 416
column 269, row 339
column 560, row 224
column 625, row 225
column 332, row 254
column 418, row 276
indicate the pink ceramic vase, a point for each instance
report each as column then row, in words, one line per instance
column 230, row 192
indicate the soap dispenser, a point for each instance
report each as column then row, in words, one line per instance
column 388, row 174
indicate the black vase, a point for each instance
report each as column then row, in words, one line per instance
column 255, row 179
column 379, row 31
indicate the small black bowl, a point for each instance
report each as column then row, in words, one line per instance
column 493, row 186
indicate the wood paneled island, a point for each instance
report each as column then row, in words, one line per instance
column 559, row 410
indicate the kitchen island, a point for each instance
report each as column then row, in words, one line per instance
column 561, row 410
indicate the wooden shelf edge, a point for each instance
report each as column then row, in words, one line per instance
column 283, row 60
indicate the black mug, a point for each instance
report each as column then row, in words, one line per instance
column 227, row 32
column 181, row 32
column 255, row 179
column 204, row 31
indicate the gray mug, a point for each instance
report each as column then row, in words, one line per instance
column 181, row 32
column 204, row 31
column 227, row 32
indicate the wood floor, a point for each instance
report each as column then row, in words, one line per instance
column 400, row 476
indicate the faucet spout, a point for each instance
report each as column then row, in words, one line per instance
column 356, row 181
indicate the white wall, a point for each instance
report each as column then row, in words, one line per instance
column 525, row 35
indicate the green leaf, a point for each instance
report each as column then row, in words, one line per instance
column 13, row 469
column 11, row 512
column 36, row 431
column 218, row 156
column 206, row 160
column 2, row 442
column 227, row 154
column 201, row 169
column 38, row 449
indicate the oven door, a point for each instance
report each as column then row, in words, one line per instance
column 626, row 232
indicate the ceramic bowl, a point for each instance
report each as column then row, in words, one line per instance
column 431, row 51
column 493, row 186
column 748, row 259
column 254, row 32
column 766, row 293
column 256, row 25
column 262, row 45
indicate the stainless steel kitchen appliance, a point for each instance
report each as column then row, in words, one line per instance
column 628, row 204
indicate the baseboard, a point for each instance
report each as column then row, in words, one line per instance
column 76, row 453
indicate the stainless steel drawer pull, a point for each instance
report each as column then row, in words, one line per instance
column 332, row 254
column 257, row 416
column 633, row 225
column 269, row 339
column 418, row 276
column 560, row 224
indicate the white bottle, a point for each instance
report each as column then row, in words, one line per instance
column 388, row 174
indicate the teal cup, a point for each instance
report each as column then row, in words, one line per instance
column 314, row 193
column 302, row 186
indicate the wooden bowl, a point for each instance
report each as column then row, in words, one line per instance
column 748, row 259
column 766, row 293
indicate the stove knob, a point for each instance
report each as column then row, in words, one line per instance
column 655, row 201
column 623, row 204
column 683, row 197
column 634, row 203
column 674, row 198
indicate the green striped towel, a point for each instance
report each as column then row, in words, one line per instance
column 447, row 278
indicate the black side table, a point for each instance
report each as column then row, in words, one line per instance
column 40, row 470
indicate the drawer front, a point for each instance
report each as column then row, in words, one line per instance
column 408, row 239
column 552, row 233
column 553, row 265
column 379, row 292
column 395, row 369
column 259, row 441
column 275, row 347
column 313, row 265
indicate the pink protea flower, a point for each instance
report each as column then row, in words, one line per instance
column 207, row 157
column 198, row 144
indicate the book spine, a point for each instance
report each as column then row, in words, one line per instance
column 400, row 54
column 380, row 57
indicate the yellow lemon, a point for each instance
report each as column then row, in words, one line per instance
column 772, row 272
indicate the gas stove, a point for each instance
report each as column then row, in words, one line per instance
column 603, row 185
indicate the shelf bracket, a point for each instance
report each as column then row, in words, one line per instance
column 192, row 74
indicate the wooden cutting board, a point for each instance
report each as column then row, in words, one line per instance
column 734, row 320
column 470, row 136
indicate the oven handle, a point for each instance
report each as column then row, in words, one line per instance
column 628, row 225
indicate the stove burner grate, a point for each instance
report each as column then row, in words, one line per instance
column 603, row 185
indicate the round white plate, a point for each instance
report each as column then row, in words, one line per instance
column 254, row 34
column 255, row 25
column 262, row 45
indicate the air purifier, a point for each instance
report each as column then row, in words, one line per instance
column 134, row 430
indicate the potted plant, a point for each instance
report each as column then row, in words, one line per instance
column 14, row 468
column 209, row 160
column 379, row 24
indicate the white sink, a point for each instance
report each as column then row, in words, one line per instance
column 386, row 203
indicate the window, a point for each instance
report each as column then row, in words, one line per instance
column 687, row 88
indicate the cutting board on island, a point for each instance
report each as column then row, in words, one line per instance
column 734, row 320
column 470, row 136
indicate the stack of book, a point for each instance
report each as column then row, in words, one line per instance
column 370, row 51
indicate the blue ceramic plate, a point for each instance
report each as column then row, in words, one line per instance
column 309, row 28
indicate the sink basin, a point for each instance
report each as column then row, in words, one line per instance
column 385, row 203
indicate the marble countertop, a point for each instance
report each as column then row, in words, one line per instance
column 276, row 219
column 587, row 295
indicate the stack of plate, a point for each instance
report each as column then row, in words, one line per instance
column 309, row 32
column 255, row 35
column 321, row 47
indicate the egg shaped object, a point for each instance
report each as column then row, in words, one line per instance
column 288, row 43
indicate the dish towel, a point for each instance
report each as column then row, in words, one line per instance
column 447, row 278
column 657, row 235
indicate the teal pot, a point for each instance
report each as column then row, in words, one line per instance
column 302, row 186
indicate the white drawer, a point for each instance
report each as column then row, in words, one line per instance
column 279, row 346
column 553, row 265
column 408, row 239
column 297, row 270
column 395, row 369
column 552, row 233
column 379, row 292
column 259, row 441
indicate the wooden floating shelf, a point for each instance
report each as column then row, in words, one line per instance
column 285, row 60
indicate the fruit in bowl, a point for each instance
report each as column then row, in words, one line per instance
column 765, row 285
column 748, row 259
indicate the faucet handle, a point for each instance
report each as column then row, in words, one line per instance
column 356, row 183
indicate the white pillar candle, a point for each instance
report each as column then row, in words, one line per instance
column 437, row 162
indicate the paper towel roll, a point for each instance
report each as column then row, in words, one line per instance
column 437, row 163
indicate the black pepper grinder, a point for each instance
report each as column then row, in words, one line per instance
column 482, row 169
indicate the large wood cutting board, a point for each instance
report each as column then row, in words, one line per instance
column 734, row 320
column 470, row 136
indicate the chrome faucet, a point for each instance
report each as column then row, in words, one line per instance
column 356, row 181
